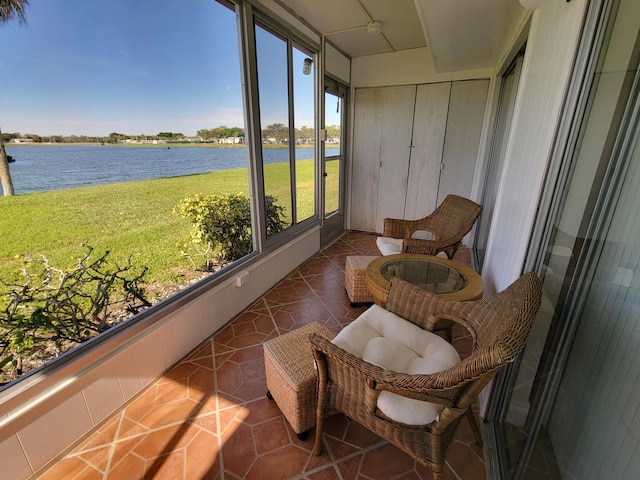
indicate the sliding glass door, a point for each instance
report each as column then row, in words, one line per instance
column 574, row 412
column 502, row 124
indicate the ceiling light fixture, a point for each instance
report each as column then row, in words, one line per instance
column 374, row 27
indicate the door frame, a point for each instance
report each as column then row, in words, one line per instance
column 333, row 224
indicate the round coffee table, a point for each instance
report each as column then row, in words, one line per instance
column 448, row 278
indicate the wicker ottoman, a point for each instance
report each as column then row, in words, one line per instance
column 355, row 279
column 291, row 376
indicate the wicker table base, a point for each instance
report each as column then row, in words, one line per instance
column 291, row 375
column 355, row 278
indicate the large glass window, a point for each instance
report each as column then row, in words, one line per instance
column 287, row 116
column 304, row 128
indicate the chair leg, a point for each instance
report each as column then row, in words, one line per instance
column 317, row 448
column 321, row 363
column 474, row 427
column 437, row 472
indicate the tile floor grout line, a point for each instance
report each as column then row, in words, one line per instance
column 271, row 316
column 452, row 470
column 324, row 273
column 112, row 446
column 217, row 408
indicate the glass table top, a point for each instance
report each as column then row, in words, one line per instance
column 426, row 274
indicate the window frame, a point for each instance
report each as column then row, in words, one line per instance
column 251, row 18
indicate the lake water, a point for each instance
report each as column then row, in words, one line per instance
column 42, row 167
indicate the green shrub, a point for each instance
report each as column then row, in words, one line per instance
column 221, row 226
column 49, row 310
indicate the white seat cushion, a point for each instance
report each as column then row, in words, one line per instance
column 388, row 245
column 390, row 342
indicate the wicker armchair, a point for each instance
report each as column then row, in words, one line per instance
column 499, row 327
column 448, row 224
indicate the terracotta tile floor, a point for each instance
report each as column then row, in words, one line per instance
column 209, row 418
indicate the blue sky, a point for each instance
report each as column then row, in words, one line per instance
column 92, row 67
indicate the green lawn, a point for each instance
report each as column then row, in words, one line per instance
column 129, row 219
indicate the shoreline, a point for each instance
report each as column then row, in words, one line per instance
column 162, row 145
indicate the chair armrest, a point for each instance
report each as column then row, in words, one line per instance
column 430, row 247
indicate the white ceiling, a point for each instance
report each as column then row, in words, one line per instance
column 460, row 34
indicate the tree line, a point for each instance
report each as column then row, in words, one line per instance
column 274, row 133
column 113, row 137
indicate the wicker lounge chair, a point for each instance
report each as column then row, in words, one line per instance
column 366, row 392
column 448, row 224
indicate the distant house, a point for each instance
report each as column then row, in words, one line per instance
column 21, row 140
column 231, row 140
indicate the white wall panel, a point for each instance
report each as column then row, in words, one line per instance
column 65, row 414
column 336, row 64
column 102, row 391
column 550, row 50
column 188, row 329
column 159, row 350
column 10, row 447
column 128, row 373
